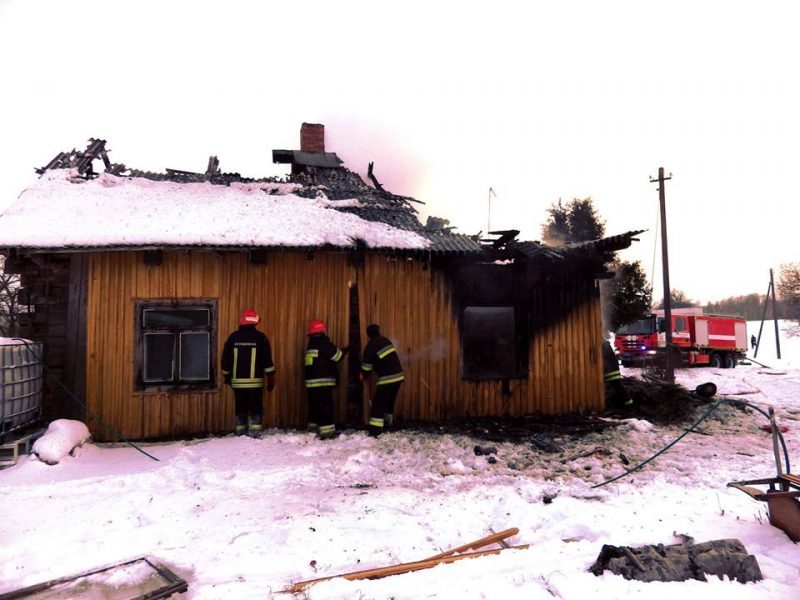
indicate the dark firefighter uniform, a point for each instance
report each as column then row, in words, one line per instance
column 246, row 360
column 321, row 374
column 616, row 394
column 380, row 356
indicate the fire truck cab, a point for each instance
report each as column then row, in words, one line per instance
column 697, row 339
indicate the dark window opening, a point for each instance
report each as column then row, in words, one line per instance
column 494, row 343
column 175, row 343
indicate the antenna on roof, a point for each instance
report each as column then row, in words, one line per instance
column 489, row 216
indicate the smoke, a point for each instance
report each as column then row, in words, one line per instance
column 606, row 303
column 436, row 350
column 396, row 167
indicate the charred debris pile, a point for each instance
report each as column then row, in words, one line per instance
column 655, row 401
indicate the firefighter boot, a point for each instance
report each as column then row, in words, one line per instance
column 255, row 430
column 241, row 426
column 388, row 422
column 327, row 432
column 375, row 426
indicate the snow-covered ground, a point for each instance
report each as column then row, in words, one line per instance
column 242, row 518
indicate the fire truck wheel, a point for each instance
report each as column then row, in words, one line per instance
column 730, row 361
column 716, row 361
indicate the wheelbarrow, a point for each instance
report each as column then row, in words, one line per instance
column 782, row 491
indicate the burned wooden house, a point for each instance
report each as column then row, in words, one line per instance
column 134, row 279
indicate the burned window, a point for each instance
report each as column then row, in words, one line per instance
column 175, row 343
column 493, row 343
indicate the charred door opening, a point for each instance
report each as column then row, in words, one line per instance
column 355, row 389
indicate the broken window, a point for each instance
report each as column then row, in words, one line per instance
column 175, row 343
column 493, row 343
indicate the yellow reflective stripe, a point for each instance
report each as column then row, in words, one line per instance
column 249, row 385
column 336, row 357
column 385, row 351
column 256, row 427
column 323, row 382
column 325, row 429
column 269, row 370
column 312, row 352
column 235, row 358
column 376, row 422
column 366, row 367
column 612, row 376
column 252, row 362
column 224, row 372
column 391, row 378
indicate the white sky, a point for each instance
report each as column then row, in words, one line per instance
column 554, row 100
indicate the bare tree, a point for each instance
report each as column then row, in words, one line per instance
column 789, row 290
column 678, row 299
column 9, row 301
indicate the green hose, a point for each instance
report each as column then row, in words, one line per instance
column 117, row 433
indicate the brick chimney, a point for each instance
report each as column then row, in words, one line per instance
column 312, row 137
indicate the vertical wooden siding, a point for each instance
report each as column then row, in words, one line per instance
column 409, row 301
column 413, row 308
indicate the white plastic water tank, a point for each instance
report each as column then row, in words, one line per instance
column 20, row 384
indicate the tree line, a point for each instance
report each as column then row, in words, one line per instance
column 629, row 296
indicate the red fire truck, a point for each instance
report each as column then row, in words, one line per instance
column 697, row 339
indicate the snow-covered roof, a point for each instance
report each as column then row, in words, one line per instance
column 65, row 210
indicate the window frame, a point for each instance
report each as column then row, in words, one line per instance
column 521, row 344
column 140, row 332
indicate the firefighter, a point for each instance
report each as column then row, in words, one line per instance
column 246, row 360
column 321, row 375
column 380, row 356
column 616, row 394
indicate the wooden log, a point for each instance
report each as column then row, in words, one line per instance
column 380, row 572
column 494, row 538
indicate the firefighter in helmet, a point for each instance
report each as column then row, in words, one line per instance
column 246, row 361
column 321, row 375
column 616, row 394
column 380, row 356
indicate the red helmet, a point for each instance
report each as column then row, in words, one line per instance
column 316, row 326
column 249, row 317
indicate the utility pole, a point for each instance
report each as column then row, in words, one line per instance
column 775, row 315
column 670, row 371
column 489, row 216
column 770, row 290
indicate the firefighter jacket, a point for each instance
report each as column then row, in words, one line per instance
column 380, row 355
column 320, row 361
column 247, row 358
column 610, row 363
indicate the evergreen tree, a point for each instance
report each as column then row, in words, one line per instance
column 577, row 221
column 627, row 297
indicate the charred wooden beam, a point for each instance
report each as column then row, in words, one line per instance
column 373, row 179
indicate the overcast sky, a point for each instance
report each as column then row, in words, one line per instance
column 554, row 101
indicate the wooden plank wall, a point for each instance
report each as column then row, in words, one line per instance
column 409, row 301
column 414, row 310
